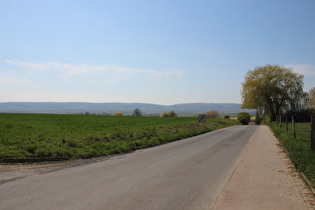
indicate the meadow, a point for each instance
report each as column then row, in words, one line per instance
column 299, row 148
column 31, row 137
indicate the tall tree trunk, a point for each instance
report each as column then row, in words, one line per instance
column 272, row 111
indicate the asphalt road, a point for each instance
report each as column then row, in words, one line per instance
column 187, row 174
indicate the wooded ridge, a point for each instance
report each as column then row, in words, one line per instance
column 110, row 108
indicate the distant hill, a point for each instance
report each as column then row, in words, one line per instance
column 110, row 108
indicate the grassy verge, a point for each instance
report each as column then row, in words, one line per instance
column 64, row 137
column 298, row 148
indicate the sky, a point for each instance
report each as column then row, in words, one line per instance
column 148, row 51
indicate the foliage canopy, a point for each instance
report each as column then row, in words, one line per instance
column 311, row 95
column 272, row 89
column 137, row 112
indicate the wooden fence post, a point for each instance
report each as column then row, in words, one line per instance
column 286, row 124
column 313, row 132
column 293, row 126
column 280, row 121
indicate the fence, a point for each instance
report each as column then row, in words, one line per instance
column 293, row 127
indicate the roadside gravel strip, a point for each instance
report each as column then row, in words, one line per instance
column 265, row 179
column 12, row 172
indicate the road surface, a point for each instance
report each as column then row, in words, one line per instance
column 187, row 174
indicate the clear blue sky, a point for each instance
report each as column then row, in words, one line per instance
column 149, row 51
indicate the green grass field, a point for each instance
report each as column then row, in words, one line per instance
column 63, row 137
column 299, row 148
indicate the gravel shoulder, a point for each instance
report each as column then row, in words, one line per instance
column 12, row 172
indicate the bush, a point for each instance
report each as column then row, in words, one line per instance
column 213, row 114
column 169, row 114
column 118, row 114
column 243, row 117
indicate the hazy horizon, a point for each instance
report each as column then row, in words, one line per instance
column 111, row 102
